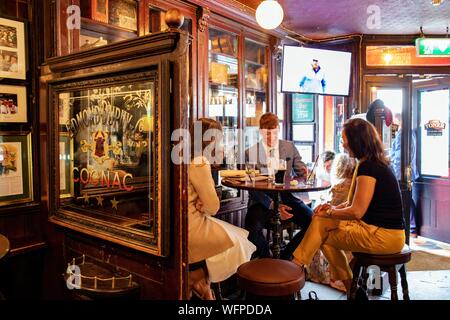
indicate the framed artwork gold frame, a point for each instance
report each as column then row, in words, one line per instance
column 16, row 178
column 131, row 206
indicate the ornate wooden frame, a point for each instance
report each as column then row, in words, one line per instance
column 161, row 57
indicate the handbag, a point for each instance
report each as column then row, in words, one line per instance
column 312, row 295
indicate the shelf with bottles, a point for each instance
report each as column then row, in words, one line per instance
column 214, row 86
column 94, row 34
column 220, row 56
column 223, row 72
column 222, row 42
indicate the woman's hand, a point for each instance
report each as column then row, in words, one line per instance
column 284, row 212
column 321, row 210
column 320, row 207
column 199, row 205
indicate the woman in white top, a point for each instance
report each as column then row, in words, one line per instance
column 217, row 245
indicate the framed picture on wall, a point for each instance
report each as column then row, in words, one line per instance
column 12, row 49
column 302, row 108
column 99, row 10
column 303, row 132
column 306, row 152
column 15, row 168
column 13, row 104
column 123, row 13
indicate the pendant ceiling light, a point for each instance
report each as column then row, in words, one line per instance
column 269, row 14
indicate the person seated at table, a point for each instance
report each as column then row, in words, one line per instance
column 269, row 150
column 215, row 248
column 324, row 171
column 371, row 221
column 341, row 173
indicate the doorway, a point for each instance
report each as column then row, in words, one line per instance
column 431, row 104
column 394, row 127
column 417, row 142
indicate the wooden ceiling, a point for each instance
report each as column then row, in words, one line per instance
column 326, row 18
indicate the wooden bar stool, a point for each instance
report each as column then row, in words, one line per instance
column 271, row 279
column 389, row 263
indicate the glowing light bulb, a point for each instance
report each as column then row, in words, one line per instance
column 388, row 58
column 269, row 14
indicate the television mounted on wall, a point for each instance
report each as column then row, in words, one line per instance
column 319, row 71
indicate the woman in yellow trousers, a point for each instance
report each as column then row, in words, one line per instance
column 371, row 221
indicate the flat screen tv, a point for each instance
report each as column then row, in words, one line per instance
column 308, row 70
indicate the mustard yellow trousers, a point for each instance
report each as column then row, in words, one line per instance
column 333, row 236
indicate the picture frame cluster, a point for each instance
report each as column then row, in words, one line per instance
column 16, row 181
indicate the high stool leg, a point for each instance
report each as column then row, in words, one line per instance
column 404, row 282
column 356, row 270
column 217, row 290
column 364, row 277
column 393, row 282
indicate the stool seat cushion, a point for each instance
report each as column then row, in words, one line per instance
column 271, row 277
column 368, row 259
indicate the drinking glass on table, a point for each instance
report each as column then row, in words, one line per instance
column 281, row 171
column 250, row 170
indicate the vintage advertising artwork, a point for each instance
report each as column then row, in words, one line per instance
column 13, row 104
column 110, row 168
column 12, row 49
column 15, row 168
column 10, row 169
column 123, row 14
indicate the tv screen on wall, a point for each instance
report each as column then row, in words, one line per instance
column 308, row 70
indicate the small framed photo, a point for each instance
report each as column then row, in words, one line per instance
column 303, row 132
column 306, row 152
column 16, row 184
column 12, row 49
column 99, row 10
column 13, row 104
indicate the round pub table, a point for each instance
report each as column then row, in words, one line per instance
column 274, row 191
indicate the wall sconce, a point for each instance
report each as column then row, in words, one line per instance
column 269, row 14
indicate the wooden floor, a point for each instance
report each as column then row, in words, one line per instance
column 423, row 285
column 426, row 282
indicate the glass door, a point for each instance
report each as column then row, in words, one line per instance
column 434, row 143
column 432, row 189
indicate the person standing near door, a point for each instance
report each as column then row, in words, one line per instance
column 395, row 155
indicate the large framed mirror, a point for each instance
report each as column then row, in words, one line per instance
column 112, row 174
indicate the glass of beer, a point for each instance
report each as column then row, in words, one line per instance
column 281, row 171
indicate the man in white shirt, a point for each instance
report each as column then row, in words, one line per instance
column 266, row 152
